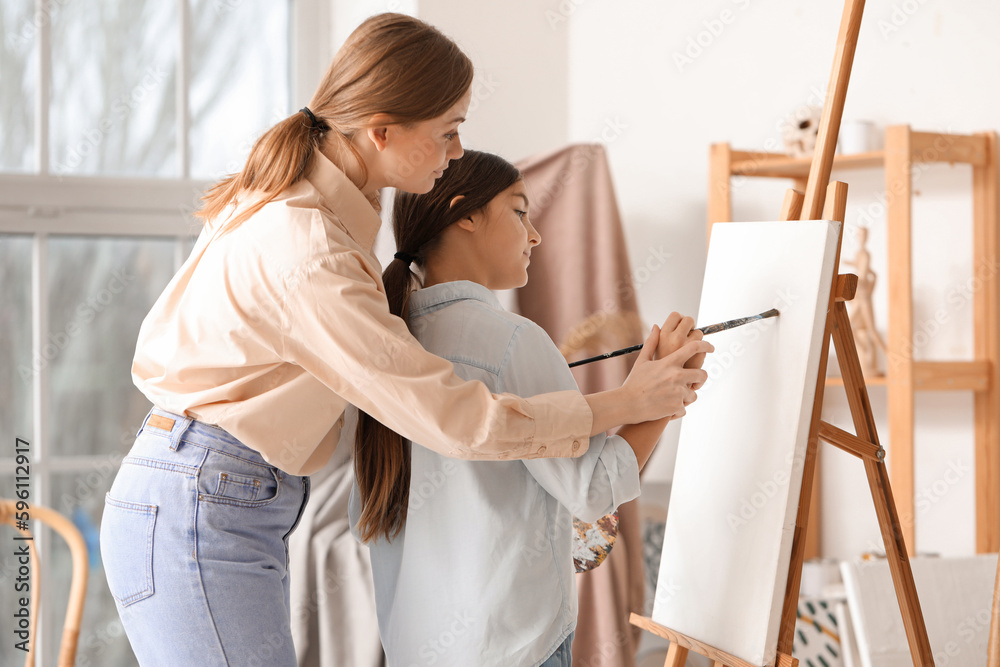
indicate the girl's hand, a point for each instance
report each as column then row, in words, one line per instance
column 678, row 330
column 660, row 388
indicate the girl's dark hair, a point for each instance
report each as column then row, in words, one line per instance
column 392, row 64
column 382, row 456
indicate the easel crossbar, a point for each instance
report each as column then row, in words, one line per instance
column 851, row 444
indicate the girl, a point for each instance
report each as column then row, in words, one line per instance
column 276, row 322
column 472, row 560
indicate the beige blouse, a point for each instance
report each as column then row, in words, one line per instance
column 271, row 330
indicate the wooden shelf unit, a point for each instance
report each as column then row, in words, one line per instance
column 905, row 376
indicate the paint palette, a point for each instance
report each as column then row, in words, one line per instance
column 592, row 542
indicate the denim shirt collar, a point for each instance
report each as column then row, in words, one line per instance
column 438, row 296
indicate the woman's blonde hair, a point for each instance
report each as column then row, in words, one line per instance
column 392, row 64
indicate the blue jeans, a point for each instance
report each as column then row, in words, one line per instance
column 563, row 657
column 194, row 541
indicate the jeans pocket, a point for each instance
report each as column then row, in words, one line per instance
column 127, row 549
column 234, row 481
column 238, row 487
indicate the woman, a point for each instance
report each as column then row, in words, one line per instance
column 472, row 560
column 274, row 324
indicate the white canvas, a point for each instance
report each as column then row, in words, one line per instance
column 956, row 598
column 733, row 503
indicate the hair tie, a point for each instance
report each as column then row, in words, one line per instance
column 317, row 124
column 404, row 257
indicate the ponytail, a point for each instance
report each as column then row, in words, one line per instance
column 277, row 160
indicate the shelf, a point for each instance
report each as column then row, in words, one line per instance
column 877, row 381
column 937, row 376
column 779, row 165
column 951, row 375
column 924, row 147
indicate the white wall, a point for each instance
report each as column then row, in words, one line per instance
column 920, row 62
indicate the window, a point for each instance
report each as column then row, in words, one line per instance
column 114, row 116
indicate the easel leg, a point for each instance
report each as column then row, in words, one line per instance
column 676, row 656
column 878, row 480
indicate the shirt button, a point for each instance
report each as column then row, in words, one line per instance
column 576, row 445
column 541, row 450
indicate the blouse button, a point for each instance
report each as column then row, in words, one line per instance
column 576, row 445
column 541, row 450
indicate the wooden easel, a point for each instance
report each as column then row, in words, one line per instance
column 865, row 444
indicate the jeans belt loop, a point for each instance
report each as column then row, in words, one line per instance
column 163, row 420
column 179, row 428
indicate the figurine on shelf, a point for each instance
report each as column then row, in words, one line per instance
column 866, row 336
column 800, row 130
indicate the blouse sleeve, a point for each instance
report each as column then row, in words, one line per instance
column 600, row 480
column 337, row 326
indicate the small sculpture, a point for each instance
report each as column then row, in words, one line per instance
column 799, row 131
column 866, row 337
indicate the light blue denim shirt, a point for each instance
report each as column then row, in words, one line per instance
column 482, row 573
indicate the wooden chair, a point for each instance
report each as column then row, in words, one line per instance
column 78, row 585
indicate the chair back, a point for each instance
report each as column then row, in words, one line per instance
column 78, row 586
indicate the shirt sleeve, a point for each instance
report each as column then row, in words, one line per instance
column 600, row 480
column 337, row 326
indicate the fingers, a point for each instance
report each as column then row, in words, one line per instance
column 690, row 398
column 692, row 377
column 648, row 350
column 671, row 322
column 674, row 333
column 688, row 350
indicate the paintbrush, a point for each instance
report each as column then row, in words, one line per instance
column 710, row 329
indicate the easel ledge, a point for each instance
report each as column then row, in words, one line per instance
column 680, row 644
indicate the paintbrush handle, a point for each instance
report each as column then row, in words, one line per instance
column 710, row 329
column 607, row 355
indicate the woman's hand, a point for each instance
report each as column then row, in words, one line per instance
column 664, row 387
